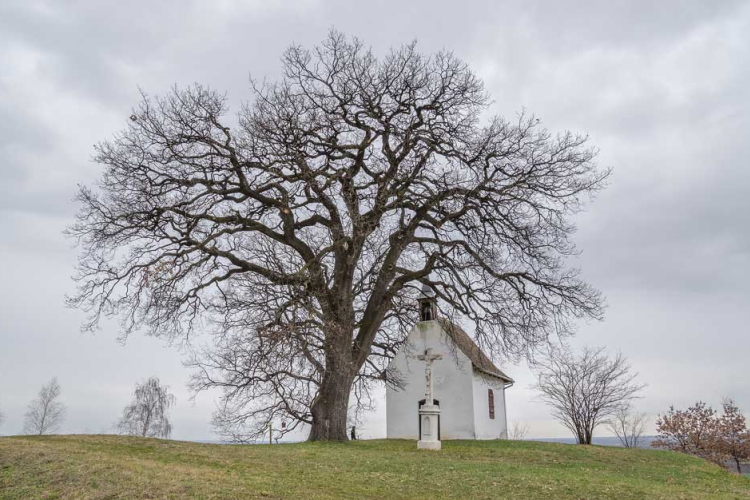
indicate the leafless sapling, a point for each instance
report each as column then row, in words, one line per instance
column 519, row 431
column 148, row 414
column 304, row 229
column 587, row 390
column 45, row 414
column 628, row 426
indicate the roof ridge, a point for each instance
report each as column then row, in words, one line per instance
column 478, row 358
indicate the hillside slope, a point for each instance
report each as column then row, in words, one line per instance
column 112, row 467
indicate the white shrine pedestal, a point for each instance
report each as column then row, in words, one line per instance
column 429, row 415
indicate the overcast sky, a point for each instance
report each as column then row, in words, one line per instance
column 662, row 88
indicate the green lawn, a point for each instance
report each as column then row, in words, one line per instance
column 112, row 467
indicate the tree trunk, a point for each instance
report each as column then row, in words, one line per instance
column 581, row 434
column 330, row 407
column 146, row 423
column 585, row 435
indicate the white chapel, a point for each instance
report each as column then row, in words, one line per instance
column 467, row 386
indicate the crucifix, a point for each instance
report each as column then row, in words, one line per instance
column 428, row 357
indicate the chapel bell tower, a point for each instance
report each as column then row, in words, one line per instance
column 427, row 304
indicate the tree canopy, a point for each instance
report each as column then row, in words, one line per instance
column 586, row 390
column 723, row 439
column 299, row 232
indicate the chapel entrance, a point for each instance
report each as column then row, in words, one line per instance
column 421, row 403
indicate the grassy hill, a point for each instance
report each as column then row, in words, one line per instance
column 112, row 467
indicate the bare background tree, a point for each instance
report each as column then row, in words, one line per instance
column 585, row 391
column 148, row 414
column 519, row 431
column 723, row 439
column 628, row 425
column 45, row 413
column 303, row 230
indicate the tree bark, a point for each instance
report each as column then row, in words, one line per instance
column 330, row 407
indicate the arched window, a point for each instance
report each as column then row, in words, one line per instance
column 491, row 400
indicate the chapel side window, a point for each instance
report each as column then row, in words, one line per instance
column 491, row 400
column 426, row 311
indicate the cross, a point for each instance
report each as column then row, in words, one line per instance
column 428, row 357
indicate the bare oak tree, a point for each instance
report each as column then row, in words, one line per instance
column 45, row 413
column 302, row 230
column 628, row 426
column 148, row 414
column 587, row 390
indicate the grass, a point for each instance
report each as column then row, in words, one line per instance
column 113, row 467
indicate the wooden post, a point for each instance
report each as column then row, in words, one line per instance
column 270, row 432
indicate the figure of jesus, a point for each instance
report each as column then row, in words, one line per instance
column 428, row 357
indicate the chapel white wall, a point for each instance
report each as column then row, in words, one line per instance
column 485, row 427
column 452, row 382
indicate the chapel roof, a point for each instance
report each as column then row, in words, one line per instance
column 426, row 293
column 479, row 360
